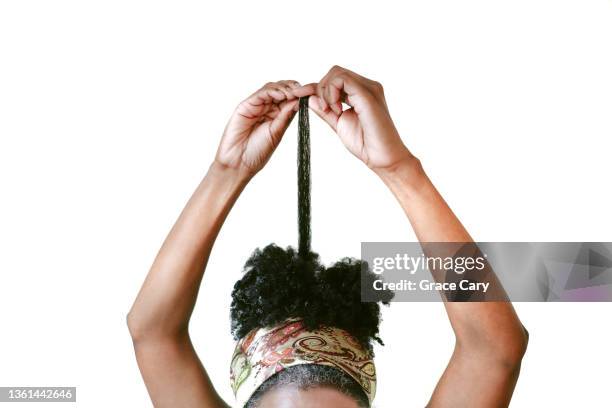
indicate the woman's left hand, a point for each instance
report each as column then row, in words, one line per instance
column 258, row 124
column 366, row 127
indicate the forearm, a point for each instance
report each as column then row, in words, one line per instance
column 167, row 297
column 491, row 327
column 428, row 213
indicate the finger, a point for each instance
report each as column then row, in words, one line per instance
column 333, row 95
column 271, row 113
column 269, row 93
column 320, row 91
column 330, row 92
column 280, row 124
column 328, row 116
column 305, row 90
column 291, row 89
column 346, row 86
column 286, row 87
column 259, row 103
column 277, row 92
column 261, row 97
column 342, row 85
column 290, row 83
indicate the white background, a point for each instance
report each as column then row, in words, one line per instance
column 110, row 113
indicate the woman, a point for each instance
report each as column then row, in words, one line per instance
column 490, row 340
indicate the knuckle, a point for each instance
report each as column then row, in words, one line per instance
column 377, row 88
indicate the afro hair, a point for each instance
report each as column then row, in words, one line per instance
column 279, row 284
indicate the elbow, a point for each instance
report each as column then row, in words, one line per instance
column 144, row 329
column 511, row 348
column 524, row 340
column 134, row 327
column 139, row 327
column 505, row 350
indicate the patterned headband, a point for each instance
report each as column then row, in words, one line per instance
column 265, row 352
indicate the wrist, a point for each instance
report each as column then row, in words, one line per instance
column 407, row 163
column 407, row 174
column 230, row 176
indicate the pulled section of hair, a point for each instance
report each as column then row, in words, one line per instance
column 306, row 376
column 279, row 284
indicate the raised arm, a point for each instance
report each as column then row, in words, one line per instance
column 490, row 340
column 159, row 319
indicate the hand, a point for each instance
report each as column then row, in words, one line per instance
column 366, row 128
column 258, row 124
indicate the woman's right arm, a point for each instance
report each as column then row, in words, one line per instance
column 159, row 318
column 489, row 338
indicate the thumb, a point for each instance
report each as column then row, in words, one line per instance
column 281, row 122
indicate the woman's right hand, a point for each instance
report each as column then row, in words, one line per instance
column 258, row 124
column 366, row 128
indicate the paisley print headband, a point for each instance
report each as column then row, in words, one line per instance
column 267, row 351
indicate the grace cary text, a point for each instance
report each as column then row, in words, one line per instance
column 427, row 285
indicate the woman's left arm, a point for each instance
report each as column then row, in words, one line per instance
column 490, row 340
column 159, row 318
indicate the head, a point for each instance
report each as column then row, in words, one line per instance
column 305, row 337
column 309, row 386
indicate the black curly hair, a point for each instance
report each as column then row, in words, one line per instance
column 307, row 376
column 282, row 283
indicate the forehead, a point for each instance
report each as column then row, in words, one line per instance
column 316, row 397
